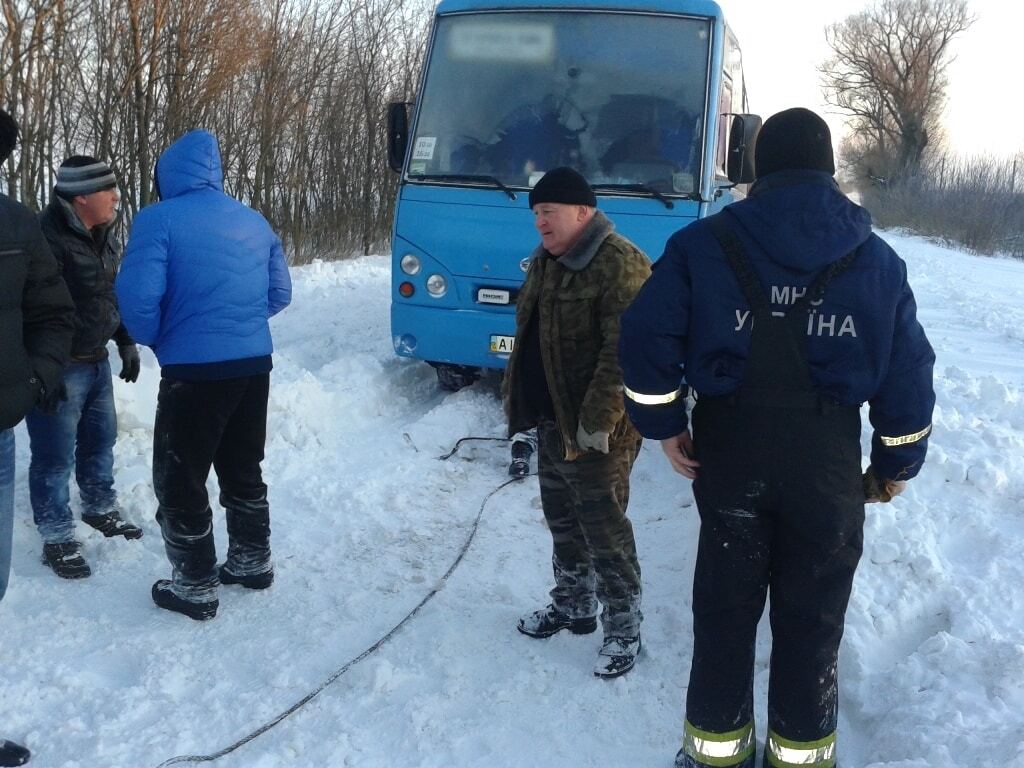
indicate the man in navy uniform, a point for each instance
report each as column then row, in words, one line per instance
column 783, row 313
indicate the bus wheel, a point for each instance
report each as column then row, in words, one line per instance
column 454, row 377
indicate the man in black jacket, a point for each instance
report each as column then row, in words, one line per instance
column 78, row 428
column 35, row 336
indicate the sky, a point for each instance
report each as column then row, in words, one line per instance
column 784, row 41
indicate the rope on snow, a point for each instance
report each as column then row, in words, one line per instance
column 371, row 649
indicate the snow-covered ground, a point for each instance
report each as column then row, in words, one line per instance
column 366, row 520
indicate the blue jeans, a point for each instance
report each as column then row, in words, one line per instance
column 80, row 434
column 6, row 505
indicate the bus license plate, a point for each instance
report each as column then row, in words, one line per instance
column 502, row 345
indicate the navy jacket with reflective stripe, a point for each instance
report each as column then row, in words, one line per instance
column 690, row 324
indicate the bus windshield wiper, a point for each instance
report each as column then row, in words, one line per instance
column 640, row 188
column 464, row 177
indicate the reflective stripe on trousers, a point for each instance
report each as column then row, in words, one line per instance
column 786, row 753
column 718, row 749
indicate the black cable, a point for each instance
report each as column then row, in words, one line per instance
column 370, row 650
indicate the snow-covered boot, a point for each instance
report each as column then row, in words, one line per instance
column 112, row 524
column 66, row 560
column 13, row 754
column 520, row 466
column 164, row 596
column 617, row 656
column 247, row 580
column 549, row 621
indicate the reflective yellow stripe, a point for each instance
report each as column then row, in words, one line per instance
column 786, row 753
column 718, row 749
column 636, row 397
column 891, row 442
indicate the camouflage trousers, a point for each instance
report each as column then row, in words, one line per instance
column 594, row 557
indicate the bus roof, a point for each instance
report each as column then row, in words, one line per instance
column 683, row 7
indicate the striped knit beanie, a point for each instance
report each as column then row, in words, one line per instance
column 83, row 175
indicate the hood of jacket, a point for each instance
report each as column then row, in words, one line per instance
column 801, row 219
column 190, row 164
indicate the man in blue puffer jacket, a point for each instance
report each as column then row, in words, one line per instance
column 201, row 275
column 784, row 313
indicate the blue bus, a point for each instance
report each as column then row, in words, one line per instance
column 645, row 98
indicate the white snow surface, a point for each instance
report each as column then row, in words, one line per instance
column 366, row 520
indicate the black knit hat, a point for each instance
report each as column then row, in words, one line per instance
column 83, row 175
column 563, row 185
column 8, row 135
column 794, row 140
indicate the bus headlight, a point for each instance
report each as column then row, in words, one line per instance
column 410, row 264
column 437, row 286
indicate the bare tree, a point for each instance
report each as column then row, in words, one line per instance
column 888, row 71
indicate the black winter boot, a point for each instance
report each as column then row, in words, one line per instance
column 66, row 560
column 164, row 597
column 520, row 466
column 549, row 621
column 111, row 524
column 249, row 581
column 13, row 754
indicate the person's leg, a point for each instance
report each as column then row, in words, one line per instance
column 243, row 493
column 94, row 459
column 730, row 586
column 6, row 505
column 573, row 598
column 52, row 442
column 818, row 545
column 10, row 753
column 190, row 419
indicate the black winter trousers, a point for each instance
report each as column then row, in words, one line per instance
column 222, row 424
column 782, row 512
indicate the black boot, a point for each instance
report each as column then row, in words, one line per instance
column 66, row 560
column 549, row 621
column 520, row 466
column 111, row 524
column 13, row 754
column 249, row 581
column 164, row 597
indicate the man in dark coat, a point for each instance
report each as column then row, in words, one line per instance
column 784, row 313
column 563, row 378
column 35, row 337
column 79, row 429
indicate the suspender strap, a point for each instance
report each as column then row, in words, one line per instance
column 734, row 254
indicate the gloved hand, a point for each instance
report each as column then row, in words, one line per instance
column 49, row 400
column 591, row 441
column 130, row 363
column 878, row 490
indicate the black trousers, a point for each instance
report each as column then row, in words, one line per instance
column 782, row 512
column 199, row 425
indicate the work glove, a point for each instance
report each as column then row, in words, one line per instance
column 591, row 441
column 130, row 362
column 49, row 400
column 881, row 490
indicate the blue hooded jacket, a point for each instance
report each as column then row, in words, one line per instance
column 691, row 321
column 202, row 272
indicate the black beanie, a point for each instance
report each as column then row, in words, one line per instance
column 562, row 185
column 794, row 140
column 83, row 175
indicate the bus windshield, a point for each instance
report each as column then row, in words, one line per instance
column 619, row 96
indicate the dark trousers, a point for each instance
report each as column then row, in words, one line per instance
column 222, row 424
column 594, row 553
column 782, row 512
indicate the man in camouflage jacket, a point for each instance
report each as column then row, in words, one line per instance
column 563, row 377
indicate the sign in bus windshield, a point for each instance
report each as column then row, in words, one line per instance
column 511, row 95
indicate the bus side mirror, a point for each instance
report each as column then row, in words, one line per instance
column 742, row 137
column 398, row 134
